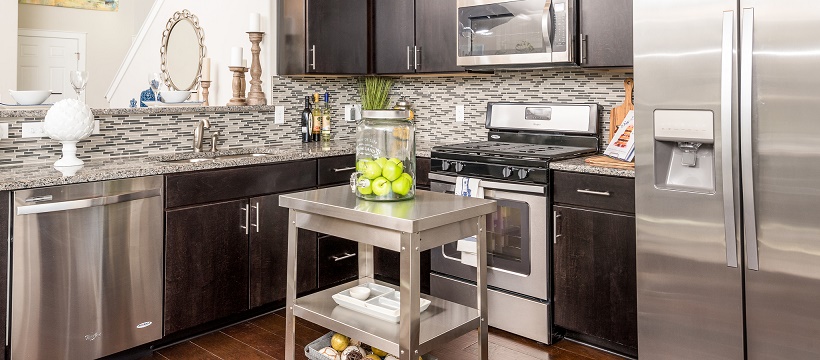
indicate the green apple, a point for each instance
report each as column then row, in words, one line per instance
column 408, row 176
column 401, row 186
column 395, row 160
column 364, row 186
column 372, row 170
column 381, row 186
column 392, row 171
column 381, row 161
column 361, row 164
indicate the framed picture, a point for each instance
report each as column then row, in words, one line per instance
column 105, row 5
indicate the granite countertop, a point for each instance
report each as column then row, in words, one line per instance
column 15, row 177
column 41, row 113
column 579, row 165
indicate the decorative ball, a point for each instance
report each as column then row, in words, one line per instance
column 372, row 357
column 339, row 342
column 330, row 353
column 69, row 120
column 353, row 353
column 379, row 352
column 390, row 357
column 355, row 342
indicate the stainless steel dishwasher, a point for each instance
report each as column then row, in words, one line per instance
column 86, row 269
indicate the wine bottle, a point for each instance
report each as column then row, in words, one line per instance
column 307, row 120
column 326, row 118
column 317, row 118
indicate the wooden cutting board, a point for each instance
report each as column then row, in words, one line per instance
column 608, row 162
column 618, row 113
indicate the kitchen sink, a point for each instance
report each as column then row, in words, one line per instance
column 216, row 158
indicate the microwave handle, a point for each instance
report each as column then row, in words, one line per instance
column 546, row 24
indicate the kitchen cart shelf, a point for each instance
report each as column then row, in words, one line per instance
column 409, row 227
column 440, row 323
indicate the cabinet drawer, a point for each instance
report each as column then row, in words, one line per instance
column 595, row 191
column 225, row 184
column 336, row 170
column 338, row 260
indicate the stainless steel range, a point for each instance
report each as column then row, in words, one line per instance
column 513, row 168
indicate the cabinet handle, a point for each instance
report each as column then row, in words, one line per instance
column 408, row 58
column 593, row 192
column 344, row 169
column 256, row 208
column 583, row 49
column 247, row 211
column 342, row 257
column 416, row 56
column 313, row 57
column 555, row 234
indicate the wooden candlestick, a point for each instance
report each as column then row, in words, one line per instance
column 236, row 85
column 243, row 93
column 256, row 96
column 205, row 85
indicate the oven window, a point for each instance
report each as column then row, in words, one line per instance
column 502, row 29
column 508, row 238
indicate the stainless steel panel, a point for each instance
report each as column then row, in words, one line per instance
column 690, row 304
column 87, row 281
column 782, row 313
column 565, row 118
column 504, row 310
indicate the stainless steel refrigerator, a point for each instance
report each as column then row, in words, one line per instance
column 728, row 178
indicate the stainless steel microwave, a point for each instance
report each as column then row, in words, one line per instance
column 516, row 33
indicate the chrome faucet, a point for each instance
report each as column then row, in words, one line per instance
column 200, row 128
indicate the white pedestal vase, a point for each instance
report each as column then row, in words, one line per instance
column 69, row 121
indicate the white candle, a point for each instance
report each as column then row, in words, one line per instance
column 236, row 56
column 254, row 23
column 206, row 69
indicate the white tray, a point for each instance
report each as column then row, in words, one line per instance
column 163, row 104
column 383, row 302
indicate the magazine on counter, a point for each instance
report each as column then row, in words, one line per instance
column 622, row 146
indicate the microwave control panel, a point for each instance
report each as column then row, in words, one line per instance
column 559, row 19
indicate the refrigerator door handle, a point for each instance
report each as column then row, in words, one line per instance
column 746, row 155
column 726, row 87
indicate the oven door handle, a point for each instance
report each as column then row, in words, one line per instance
column 489, row 185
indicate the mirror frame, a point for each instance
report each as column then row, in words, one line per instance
column 183, row 15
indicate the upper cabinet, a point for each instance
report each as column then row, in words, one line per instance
column 415, row 36
column 605, row 33
column 337, row 37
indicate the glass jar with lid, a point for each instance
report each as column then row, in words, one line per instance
column 385, row 156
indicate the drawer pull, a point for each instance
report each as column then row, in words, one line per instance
column 344, row 169
column 343, row 257
column 593, row 192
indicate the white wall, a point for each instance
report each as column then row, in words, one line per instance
column 224, row 24
column 8, row 48
column 109, row 35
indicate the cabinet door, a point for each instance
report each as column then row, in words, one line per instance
column 394, row 36
column 269, row 253
column 337, row 41
column 436, row 35
column 574, row 270
column 606, row 33
column 338, row 260
column 5, row 213
column 206, row 264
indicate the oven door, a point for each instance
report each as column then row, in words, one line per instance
column 515, row 32
column 517, row 247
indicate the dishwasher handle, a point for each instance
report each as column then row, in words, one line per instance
column 87, row 203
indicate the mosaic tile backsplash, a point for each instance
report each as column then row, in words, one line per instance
column 433, row 98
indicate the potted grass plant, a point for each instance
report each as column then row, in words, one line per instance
column 375, row 92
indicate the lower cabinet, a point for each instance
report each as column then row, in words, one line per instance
column 206, row 257
column 338, row 260
column 5, row 234
column 594, row 286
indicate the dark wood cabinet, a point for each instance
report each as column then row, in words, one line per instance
column 337, row 37
column 595, row 292
column 5, row 234
column 206, row 264
column 338, row 260
column 412, row 36
column 605, row 32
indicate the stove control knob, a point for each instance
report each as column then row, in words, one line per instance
column 459, row 167
column 507, row 171
column 523, row 173
column 445, row 165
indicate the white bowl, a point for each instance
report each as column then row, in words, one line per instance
column 32, row 97
column 172, row 96
column 360, row 292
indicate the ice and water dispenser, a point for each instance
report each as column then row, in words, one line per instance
column 685, row 150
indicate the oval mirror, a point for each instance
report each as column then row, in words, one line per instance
column 182, row 51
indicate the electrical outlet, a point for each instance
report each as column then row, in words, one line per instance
column 279, row 115
column 349, row 113
column 33, row 130
column 460, row 113
column 96, row 130
column 4, row 130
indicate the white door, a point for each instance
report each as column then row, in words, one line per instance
column 44, row 60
